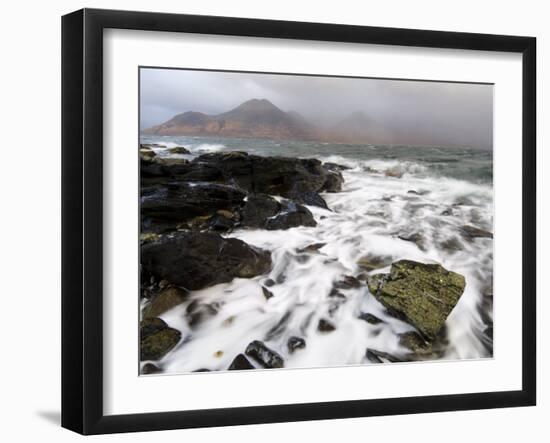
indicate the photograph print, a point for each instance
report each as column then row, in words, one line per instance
column 302, row 221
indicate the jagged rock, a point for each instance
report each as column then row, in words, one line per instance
column 156, row 339
column 174, row 203
column 163, row 301
column 370, row 318
column 416, row 238
column 451, row 245
column 370, row 263
column 297, row 179
column 295, row 343
column 178, row 150
column 415, row 343
column 348, row 282
column 240, row 363
column 258, row 208
column 150, row 368
column 197, row 312
column 194, row 260
column 422, row 294
column 325, row 326
column 267, row 293
column 291, row 215
column 471, row 232
column 310, row 249
column 375, row 356
column 264, row 356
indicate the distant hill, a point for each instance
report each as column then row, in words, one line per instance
column 257, row 118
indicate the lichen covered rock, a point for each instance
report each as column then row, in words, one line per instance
column 156, row 339
column 422, row 294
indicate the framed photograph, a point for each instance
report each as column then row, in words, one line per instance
column 269, row 221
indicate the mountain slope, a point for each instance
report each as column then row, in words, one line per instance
column 254, row 118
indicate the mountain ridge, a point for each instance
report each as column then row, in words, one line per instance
column 259, row 118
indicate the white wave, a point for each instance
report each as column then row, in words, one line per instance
column 367, row 218
column 207, row 148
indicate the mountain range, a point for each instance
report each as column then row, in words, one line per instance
column 259, row 118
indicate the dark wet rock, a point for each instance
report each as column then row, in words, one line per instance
column 348, row 282
column 370, row 318
column 269, row 282
column 471, row 232
column 447, row 212
column 295, row 343
column 371, row 263
column 163, row 301
column 183, row 202
column 203, row 370
column 151, row 145
column 333, row 182
column 197, row 312
column 310, row 198
column 220, row 223
column 422, row 294
column 325, row 326
column 267, row 293
column 311, row 249
column 416, row 238
column 375, row 356
column 195, row 260
column 258, row 208
column 415, row 343
column 284, row 176
column 291, row 215
column 335, row 167
column 156, row 339
column 146, row 154
column 150, row 368
column 452, row 244
column 419, row 192
column 240, row 363
column 463, row 201
column 335, row 293
column 178, row 150
column 263, row 211
column 264, row 356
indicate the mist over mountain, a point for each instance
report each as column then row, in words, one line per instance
column 328, row 109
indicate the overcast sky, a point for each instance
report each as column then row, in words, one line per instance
column 428, row 112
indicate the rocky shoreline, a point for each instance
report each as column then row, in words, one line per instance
column 189, row 205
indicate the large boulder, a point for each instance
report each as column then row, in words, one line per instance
column 163, row 301
column 156, row 339
column 195, row 260
column 180, row 202
column 298, row 179
column 422, row 294
column 265, row 356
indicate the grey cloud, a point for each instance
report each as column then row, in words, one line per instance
column 414, row 112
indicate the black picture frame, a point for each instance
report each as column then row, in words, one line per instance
column 82, row 218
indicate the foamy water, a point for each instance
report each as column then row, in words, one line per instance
column 366, row 220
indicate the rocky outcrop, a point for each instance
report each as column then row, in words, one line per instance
column 298, row 179
column 194, row 260
column 422, row 294
column 266, row 357
column 163, row 301
column 471, row 232
column 156, row 339
column 240, row 363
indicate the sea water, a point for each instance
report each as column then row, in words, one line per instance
column 390, row 193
